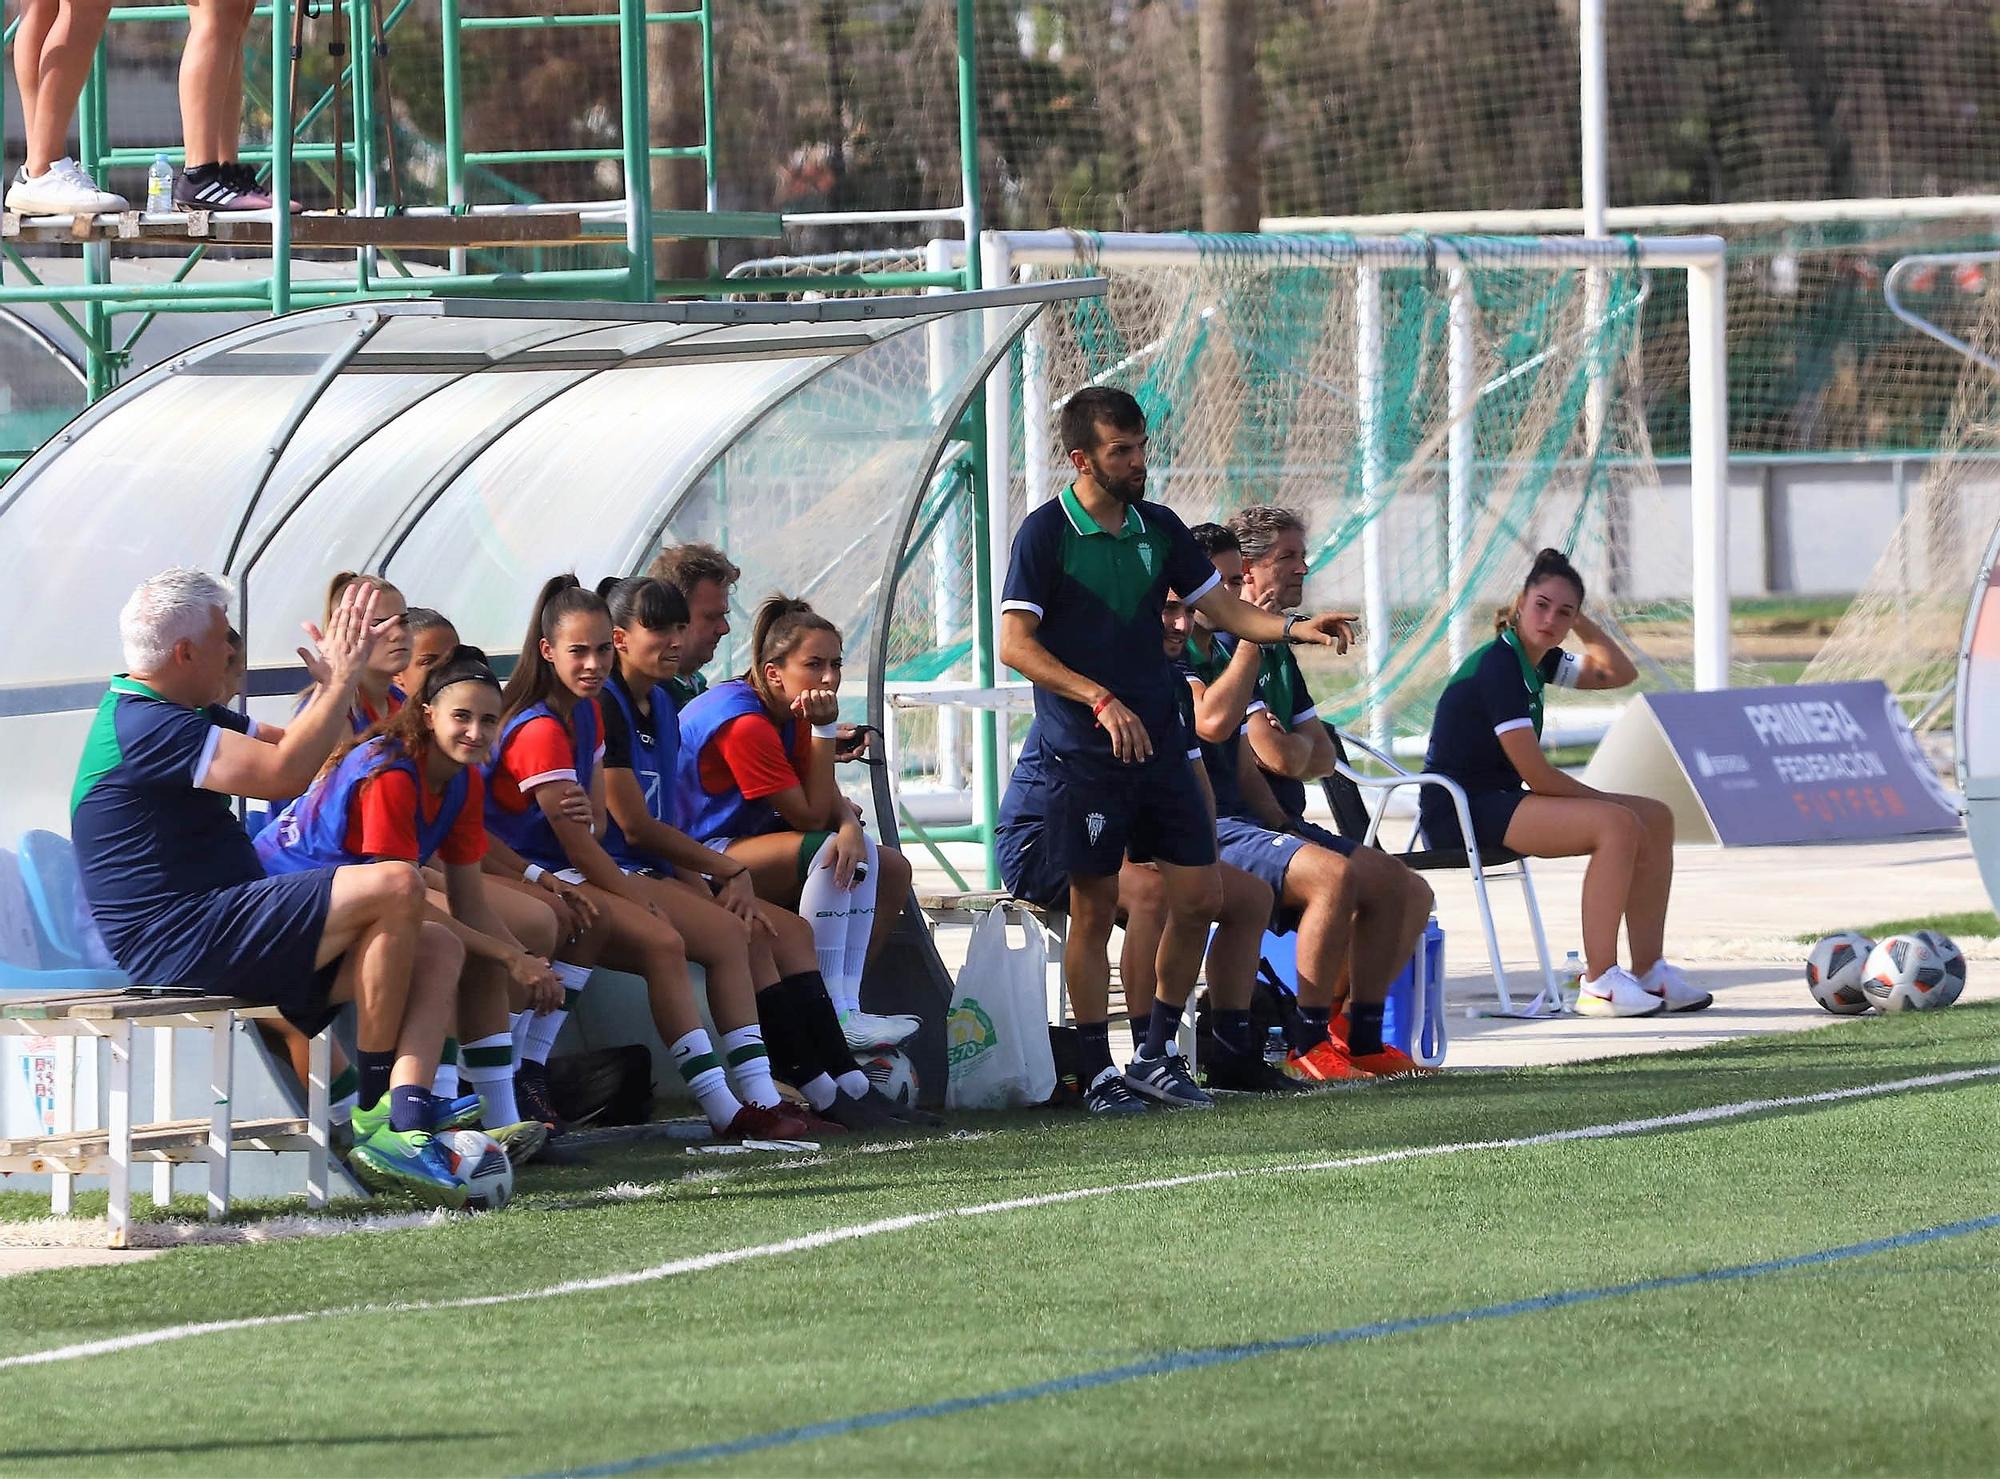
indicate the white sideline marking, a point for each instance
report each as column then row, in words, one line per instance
column 854, row 1232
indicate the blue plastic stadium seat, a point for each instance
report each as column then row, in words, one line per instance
column 45, row 943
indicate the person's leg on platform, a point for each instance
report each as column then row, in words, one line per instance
column 53, row 52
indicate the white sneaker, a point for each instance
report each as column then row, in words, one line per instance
column 1616, row 993
column 66, row 190
column 1666, row 982
column 866, row 1030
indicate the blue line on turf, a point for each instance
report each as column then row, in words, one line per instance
column 1195, row 1360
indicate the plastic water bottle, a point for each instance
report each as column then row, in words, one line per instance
column 160, row 185
column 1571, row 979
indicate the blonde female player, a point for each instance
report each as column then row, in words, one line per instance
column 1486, row 735
column 551, row 737
column 757, row 756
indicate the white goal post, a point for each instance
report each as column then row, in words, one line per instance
column 1008, row 255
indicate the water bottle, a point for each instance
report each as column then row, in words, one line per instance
column 160, row 185
column 1571, row 978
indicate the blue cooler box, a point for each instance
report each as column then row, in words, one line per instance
column 1399, row 1016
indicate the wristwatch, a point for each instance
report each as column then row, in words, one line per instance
column 1292, row 619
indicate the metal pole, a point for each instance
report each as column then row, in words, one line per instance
column 1374, row 574
column 1708, row 466
column 93, row 143
column 968, row 140
column 1461, row 447
column 948, row 583
column 1590, row 40
column 450, row 21
column 992, row 540
column 1036, row 453
column 638, row 160
column 281, row 154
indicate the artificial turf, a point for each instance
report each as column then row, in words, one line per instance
column 1875, row 1364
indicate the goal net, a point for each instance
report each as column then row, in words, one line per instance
column 1436, row 409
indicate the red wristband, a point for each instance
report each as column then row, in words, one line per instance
column 1098, row 708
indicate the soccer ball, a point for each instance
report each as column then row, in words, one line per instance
column 1833, row 973
column 481, row 1166
column 893, row 1075
column 1914, row 973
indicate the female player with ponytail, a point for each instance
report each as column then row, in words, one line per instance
column 552, row 737
column 1486, row 735
column 410, row 790
column 649, row 619
column 757, row 756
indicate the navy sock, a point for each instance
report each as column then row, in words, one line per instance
column 1137, row 1023
column 372, row 1073
column 1364, row 1027
column 1232, row 1032
column 1161, row 1026
column 410, row 1107
column 1093, row 1049
column 1312, row 1029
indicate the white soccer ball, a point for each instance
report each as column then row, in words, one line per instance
column 893, row 1074
column 1914, row 973
column 482, row 1168
column 1833, row 972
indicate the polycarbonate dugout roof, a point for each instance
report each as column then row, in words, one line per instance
column 467, row 450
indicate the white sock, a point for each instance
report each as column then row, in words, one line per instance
column 861, row 920
column 444, row 1083
column 820, row 1092
column 542, row 1030
column 854, row 1083
column 341, row 1111
column 521, row 1022
column 750, row 1066
column 825, row 905
column 489, row 1068
column 697, row 1064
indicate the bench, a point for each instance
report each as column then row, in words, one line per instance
column 69, row 1149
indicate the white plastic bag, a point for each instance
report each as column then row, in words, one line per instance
column 997, row 1038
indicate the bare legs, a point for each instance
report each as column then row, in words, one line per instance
column 1630, row 843
column 52, row 57
column 211, row 80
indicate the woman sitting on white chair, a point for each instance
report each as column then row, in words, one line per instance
column 1486, row 735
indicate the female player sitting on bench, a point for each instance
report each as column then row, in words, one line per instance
column 1487, row 736
column 551, row 737
column 649, row 619
column 378, row 697
column 757, row 756
column 411, row 791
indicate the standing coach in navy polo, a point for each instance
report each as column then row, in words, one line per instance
column 1080, row 619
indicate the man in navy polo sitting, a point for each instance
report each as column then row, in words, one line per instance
column 181, row 899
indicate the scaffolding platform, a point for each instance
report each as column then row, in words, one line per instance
column 420, row 230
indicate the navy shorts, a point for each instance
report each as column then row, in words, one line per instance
column 1025, row 866
column 1099, row 814
column 1268, row 855
column 1492, row 812
column 257, row 940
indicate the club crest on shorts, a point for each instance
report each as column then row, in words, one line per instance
column 1093, row 826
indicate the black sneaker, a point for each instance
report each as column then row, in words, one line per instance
column 1166, row 1079
column 903, row 1114
column 1108, row 1094
column 1247, row 1073
column 531, row 1095
column 219, row 187
column 858, row 1115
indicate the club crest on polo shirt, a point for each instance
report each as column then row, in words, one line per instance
column 1146, row 556
column 1093, row 826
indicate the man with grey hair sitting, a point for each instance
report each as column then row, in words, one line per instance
column 179, row 894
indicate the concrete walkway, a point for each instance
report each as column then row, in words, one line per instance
column 1733, row 928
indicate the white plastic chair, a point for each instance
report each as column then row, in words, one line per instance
column 1485, row 862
